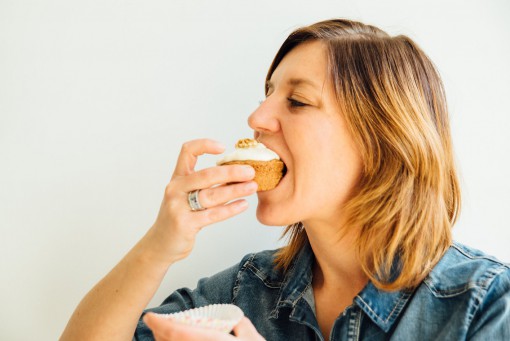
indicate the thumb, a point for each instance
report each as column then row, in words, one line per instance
column 246, row 331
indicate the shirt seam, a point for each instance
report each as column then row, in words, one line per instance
column 285, row 282
column 237, row 284
column 482, row 283
column 404, row 297
column 483, row 292
column 256, row 271
column 467, row 254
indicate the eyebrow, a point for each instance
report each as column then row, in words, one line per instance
column 295, row 82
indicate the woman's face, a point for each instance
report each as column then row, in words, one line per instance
column 300, row 120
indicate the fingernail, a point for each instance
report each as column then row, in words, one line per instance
column 242, row 204
column 248, row 170
column 251, row 186
column 147, row 317
column 219, row 144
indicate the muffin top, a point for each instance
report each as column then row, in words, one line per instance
column 249, row 149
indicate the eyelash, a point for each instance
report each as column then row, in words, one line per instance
column 294, row 103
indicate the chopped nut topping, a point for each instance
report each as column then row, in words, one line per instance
column 246, row 143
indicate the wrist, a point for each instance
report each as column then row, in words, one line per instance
column 153, row 250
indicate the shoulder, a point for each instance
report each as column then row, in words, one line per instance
column 463, row 268
column 261, row 264
column 482, row 282
column 466, row 296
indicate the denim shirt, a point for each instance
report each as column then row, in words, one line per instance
column 465, row 296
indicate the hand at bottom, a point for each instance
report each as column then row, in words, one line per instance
column 167, row 330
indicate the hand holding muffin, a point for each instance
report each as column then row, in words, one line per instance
column 213, row 194
column 217, row 191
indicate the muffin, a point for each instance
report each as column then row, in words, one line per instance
column 267, row 164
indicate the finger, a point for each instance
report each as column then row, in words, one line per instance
column 215, row 196
column 219, row 213
column 191, row 150
column 246, row 330
column 161, row 327
column 208, row 177
column 167, row 329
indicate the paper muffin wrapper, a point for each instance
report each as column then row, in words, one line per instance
column 222, row 317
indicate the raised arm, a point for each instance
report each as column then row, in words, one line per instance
column 110, row 311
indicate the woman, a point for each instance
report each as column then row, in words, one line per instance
column 369, row 197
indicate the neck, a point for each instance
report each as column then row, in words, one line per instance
column 336, row 262
column 337, row 272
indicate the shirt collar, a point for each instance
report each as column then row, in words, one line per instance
column 382, row 307
column 296, row 280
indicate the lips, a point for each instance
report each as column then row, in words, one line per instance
column 285, row 169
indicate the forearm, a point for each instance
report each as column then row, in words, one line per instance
column 110, row 311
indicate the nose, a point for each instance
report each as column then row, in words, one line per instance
column 264, row 119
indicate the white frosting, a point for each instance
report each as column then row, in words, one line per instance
column 255, row 153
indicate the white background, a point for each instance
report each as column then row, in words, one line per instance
column 97, row 96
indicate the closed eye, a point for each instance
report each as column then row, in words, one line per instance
column 295, row 103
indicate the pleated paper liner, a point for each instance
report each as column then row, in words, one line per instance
column 222, row 317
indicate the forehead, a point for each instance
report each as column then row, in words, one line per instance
column 307, row 61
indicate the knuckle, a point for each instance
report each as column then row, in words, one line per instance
column 238, row 190
column 169, row 190
column 208, row 172
column 214, row 215
column 232, row 172
column 186, row 146
column 209, row 196
column 232, row 191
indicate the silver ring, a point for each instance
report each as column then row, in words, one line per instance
column 193, row 202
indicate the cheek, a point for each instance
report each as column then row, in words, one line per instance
column 332, row 176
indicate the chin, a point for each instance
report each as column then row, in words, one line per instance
column 271, row 215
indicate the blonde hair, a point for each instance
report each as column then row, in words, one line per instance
column 408, row 197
